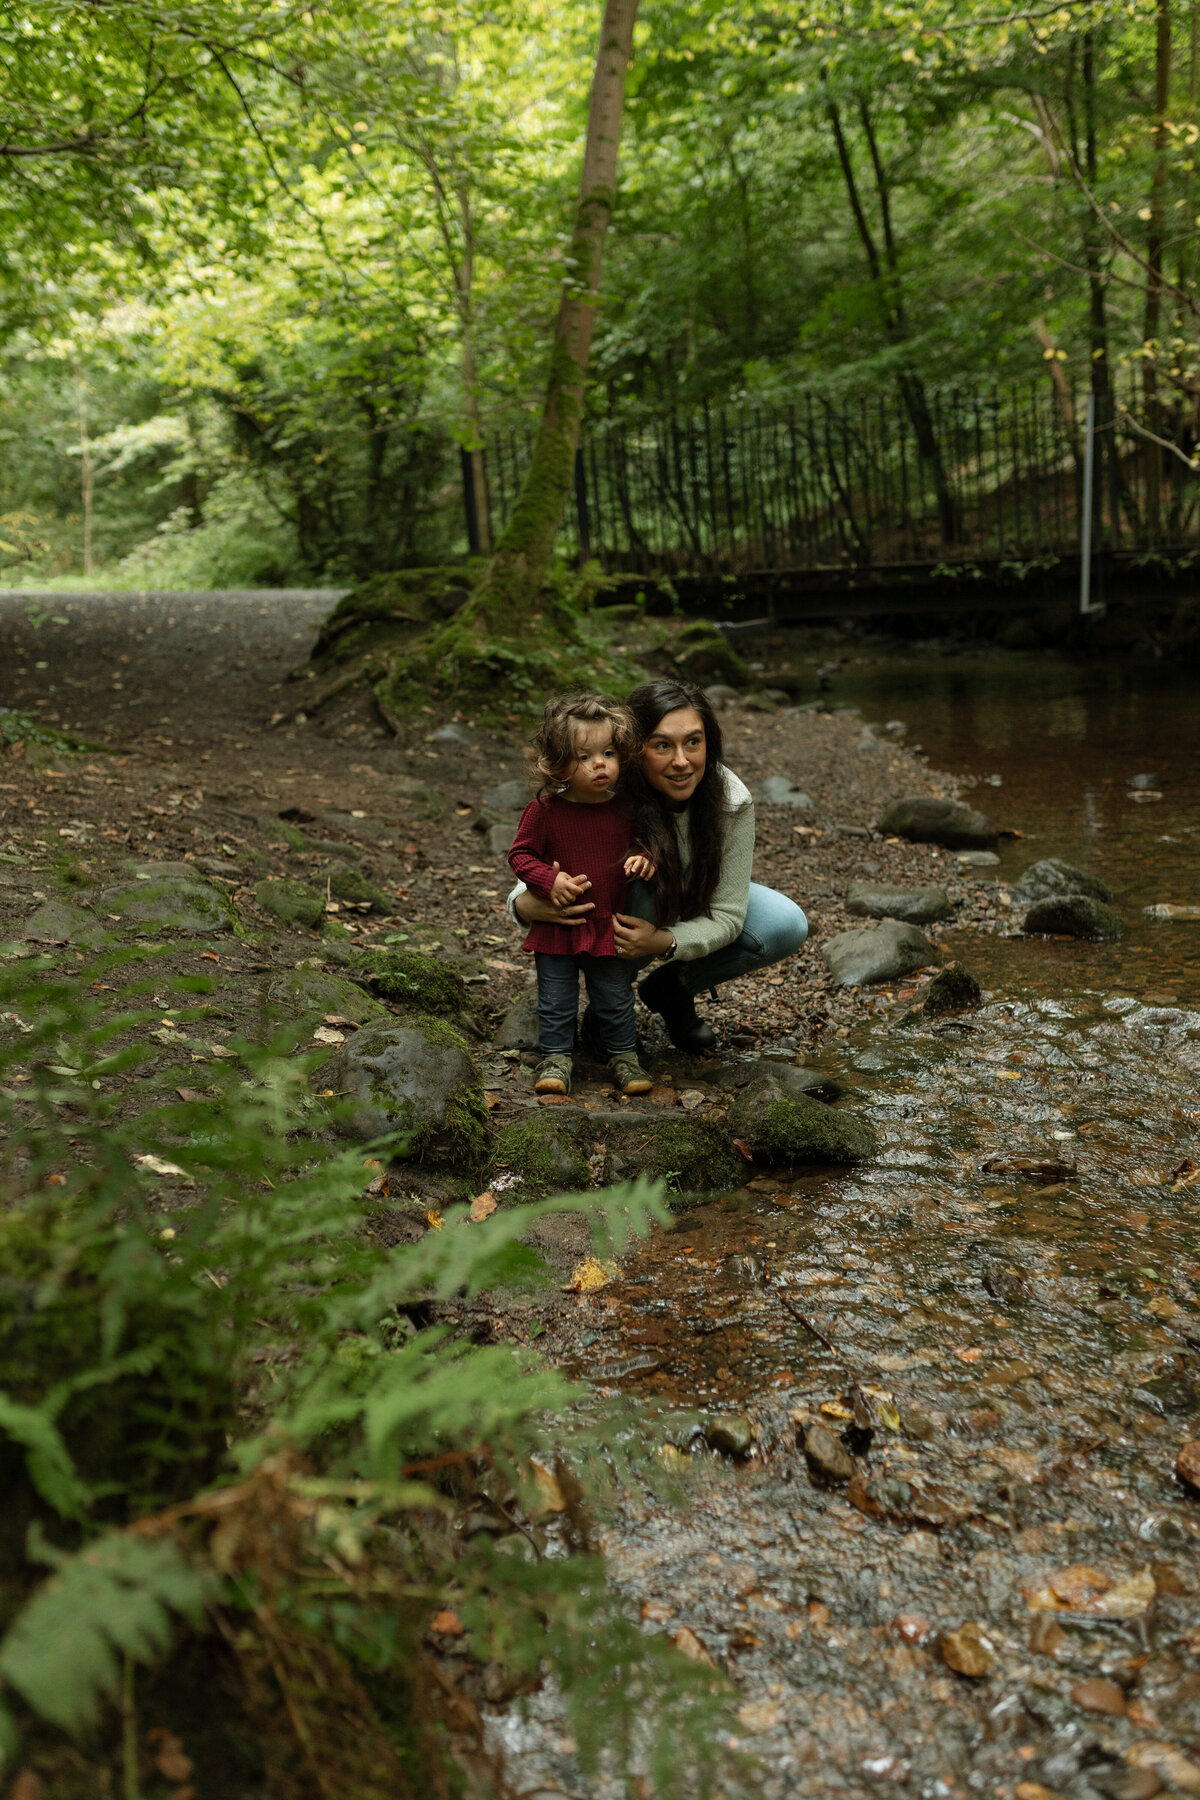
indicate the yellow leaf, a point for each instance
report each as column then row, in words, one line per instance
column 433, row 1218
column 589, row 1275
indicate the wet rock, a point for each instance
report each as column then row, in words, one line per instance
column 781, row 790
column 789, row 1127
column 1187, row 1465
column 926, row 819
column 912, row 906
column 1180, row 914
column 826, row 1455
column 877, row 953
column 518, row 1029
column 952, row 990
column 1143, row 783
column 170, row 903
column 500, row 838
column 416, row 1081
column 850, row 831
column 544, row 1154
column 730, row 1433
column 1075, row 915
column 508, row 797
column 797, row 1081
column 967, row 1650
column 977, row 859
column 1099, row 1696
column 313, row 992
column 1127, row 1784
column 692, row 1155
column 1051, row 879
column 57, row 922
column 291, row 902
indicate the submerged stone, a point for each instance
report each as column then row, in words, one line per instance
column 826, row 1455
column 291, row 902
column 416, row 1080
column 1051, row 878
column 912, row 906
column 730, row 1433
column 877, row 953
column 1075, row 915
column 952, row 990
column 793, row 1128
column 926, row 819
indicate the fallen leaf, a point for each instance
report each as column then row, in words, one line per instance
column 588, row 1275
column 209, row 956
column 220, row 1050
column 433, row 1219
column 491, row 1101
column 345, row 1024
column 833, row 1409
column 169, row 1758
column 157, row 1165
column 689, row 1645
column 663, row 1096
column 657, row 1611
column 483, row 1205
column 447, row 1623
column 324, row 1034
column 743, row 1148
column 550, row 1494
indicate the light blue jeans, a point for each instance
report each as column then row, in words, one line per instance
column 775, row 927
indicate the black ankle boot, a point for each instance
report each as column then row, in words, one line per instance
column 664, row 993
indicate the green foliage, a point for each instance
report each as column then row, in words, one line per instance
column 154, row 1255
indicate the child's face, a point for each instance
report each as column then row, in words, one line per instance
column 593, row 773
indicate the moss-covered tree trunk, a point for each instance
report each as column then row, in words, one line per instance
column 507, row 595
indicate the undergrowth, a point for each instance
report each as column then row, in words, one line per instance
column 245, row 1466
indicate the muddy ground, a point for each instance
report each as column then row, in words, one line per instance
column 987, row 1582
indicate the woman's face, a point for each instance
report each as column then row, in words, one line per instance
column 674, row 754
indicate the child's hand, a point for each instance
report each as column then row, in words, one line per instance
column 642, row 867
column 568, row 888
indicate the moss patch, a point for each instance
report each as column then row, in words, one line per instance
column 791, row 1128
column 352, row 884
column 690, row 1155
column 409, row 978
column 545, row 1152
column 291, row 902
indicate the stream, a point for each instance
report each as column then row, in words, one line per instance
column 1005, row 1599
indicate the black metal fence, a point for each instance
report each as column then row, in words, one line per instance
column 890, row 480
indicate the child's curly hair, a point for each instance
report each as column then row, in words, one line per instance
column 553, row 749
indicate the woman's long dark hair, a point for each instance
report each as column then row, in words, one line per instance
column 677, row 897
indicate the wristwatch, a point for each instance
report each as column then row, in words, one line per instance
column 668, row 954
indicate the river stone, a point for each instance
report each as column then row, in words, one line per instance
column 912, row 906
column 1052, row 878
column 782, row 1127
column 796, row 1080
column 826, row 1455
column 509, row 797
column 1143, row 784
column 968, row 1650
column 877, row 953
column 1075, row 915
column 309, row 991
column 719, row 695
column 1180, row 914
column 730, row 1433
column 292, row 902
column 58, row 922
column 926, row 819
column 518, row 1029
column 176, row 902
column 977, row 859
column 548, row 1153
column 952, row 990
column 781, row 790
column 415, row 1078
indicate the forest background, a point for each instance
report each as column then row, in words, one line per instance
column 268, row 270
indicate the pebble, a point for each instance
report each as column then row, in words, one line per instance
column 1098, row 1696
column 967, row 1650
column 978, row 859
column 826, row 1455
column 730, row 1433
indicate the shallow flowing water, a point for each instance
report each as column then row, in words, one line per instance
column 1011, row 1290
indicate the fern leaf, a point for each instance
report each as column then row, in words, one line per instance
column 63, row 1652
column 46, row 1456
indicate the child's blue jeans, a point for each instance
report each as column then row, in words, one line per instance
column 609, row 983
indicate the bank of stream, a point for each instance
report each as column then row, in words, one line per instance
column 986, row 1582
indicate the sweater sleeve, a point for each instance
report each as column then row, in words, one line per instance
column 702, row 935
column 526, row 859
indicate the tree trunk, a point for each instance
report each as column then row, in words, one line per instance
column 1101, row 368
column 87, row 482
column 509, row 590
column 1155, row 235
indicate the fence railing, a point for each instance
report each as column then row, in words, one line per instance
column 895, row 479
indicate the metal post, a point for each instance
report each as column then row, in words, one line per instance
column 1085, row 524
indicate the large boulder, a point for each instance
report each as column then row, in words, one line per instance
column 1075, row 915
column 926, row 819
column 783, row 1127
column 163, row 900
column 416, row 1081
column 882, row 952
column 508, row 797
column 912, row 906
column 1052, row 878
column 546, row 1153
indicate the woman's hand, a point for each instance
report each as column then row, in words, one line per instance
column 641, row 868
column 534, row 911
column 638, row 937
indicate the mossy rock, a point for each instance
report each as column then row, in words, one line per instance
column 414, row 1081
column 170, row 902
column 152, row 1436
column 952, row 990
column 1077, row 916
column 692, row 1156
column 701, row 653
column 293, row 903
column 790, row 1128
column 545, row 1152
column 409, row 978
column 400, row 601
column 309, row 993
column 58, row 922
column 352, row 884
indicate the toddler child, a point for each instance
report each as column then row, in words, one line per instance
column 579, row 822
